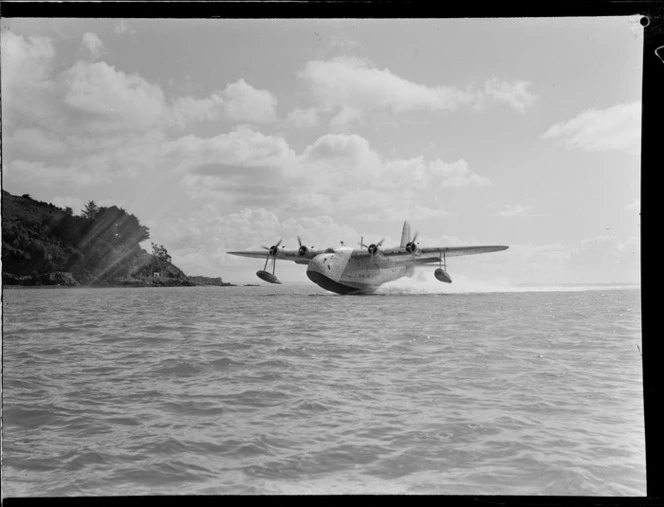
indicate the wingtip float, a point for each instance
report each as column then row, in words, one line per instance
column 268, row 277
column 347, row 270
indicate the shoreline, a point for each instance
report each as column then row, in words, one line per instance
column 21, row 287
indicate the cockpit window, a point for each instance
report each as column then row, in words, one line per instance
column 329, row 250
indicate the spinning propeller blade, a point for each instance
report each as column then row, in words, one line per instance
column 302, row 251
column 373, row 248
column 411, row 246
column 273, row 249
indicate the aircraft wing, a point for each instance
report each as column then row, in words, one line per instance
column 283, row 254
column 452, row 251
column 434, row 254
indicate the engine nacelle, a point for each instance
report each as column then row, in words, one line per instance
column 373, row 249
column 442, row 275
column 411, row 247
column 268, row 277
column 302, row 251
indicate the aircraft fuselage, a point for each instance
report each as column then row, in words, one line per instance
column 337, row 271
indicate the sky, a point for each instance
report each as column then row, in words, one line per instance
column 230, row 134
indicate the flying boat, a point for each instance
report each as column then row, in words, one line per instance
column 348, row 270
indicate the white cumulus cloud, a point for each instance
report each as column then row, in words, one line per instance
column 243, row 102
column 240, row 147
column 514, row 94
column 349, row 88
column 92, row 46
column 107, row 99
column 615, row 128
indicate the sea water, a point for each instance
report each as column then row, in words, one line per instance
column 294, row 390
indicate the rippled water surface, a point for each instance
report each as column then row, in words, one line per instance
column 270, row 390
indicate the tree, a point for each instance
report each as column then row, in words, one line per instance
column 160, row 253
column 91, row 210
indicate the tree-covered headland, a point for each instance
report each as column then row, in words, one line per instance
column 46, row 245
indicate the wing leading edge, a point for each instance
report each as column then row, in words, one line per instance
column 453, row 251
column 283, row 254
column 434, row 254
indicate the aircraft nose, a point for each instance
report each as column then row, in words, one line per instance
column 324, row 270
column 317, row 264
column 319, row 272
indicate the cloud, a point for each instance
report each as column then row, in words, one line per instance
column 239, row 101
column 87, row 97
column 340, row 155
column 355, row 82
column 242, row 147
column 76, row 161
column 33, row 144
column 409, row 212
column 364, row 198
column 245, row 103
column 309, row 202
column 187, row 111
column 344, row 43
column 249, row 167
column 435, row 174
column 615, row 128
column 349, row 88
column 339, row 158
column 514, row 94
column 89, row 123
column 602, row 257
column 22, row 59
column 245, row 166
column 303, row 117
column 374, row 204
column 345, row 118
column 42, row 173
column 93, row 96
column 27, row 65
column 105, row 99
column 123, row 26
column 516, row 210
column 110, row 123
column 591, row 260
column 91, row 46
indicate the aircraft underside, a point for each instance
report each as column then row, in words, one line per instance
column 339, row 287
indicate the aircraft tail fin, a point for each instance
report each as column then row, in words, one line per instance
column 405, row 234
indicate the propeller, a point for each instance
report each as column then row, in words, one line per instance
column 274, row 248
column 302, row 251
column 411, row 246
column 373, row 248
